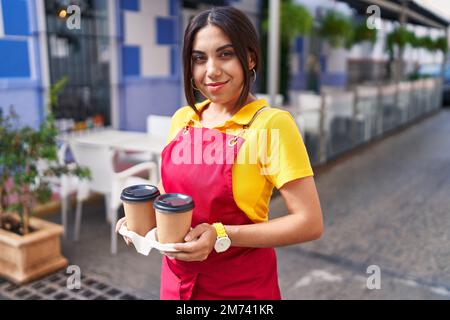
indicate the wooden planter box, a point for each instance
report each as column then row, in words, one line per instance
column 25, row 258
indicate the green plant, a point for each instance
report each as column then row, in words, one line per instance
column 295, row 20
column 413, row 40
column 361, row 33
column 399, row 38
column 337, row 29
column 23, row 148
column 428, row 43
column 6, row 158
column 55, row 89
column 441, row 44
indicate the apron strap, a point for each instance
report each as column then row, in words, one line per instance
column 246, row 126
column 233, row 141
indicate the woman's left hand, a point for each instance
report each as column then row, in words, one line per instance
column 199, row 244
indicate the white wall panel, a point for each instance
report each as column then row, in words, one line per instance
column 140, row 30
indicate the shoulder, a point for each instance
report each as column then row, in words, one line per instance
column 182, row 115
column 277, row 113
column 179, row 119
column 275, row 117
column 183, row 112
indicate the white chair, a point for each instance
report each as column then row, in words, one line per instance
column 366, row 109
column 158, row 125
column 65, row 186
column 105, row 180
column 308, row 116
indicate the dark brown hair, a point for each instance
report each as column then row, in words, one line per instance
column 244, row 39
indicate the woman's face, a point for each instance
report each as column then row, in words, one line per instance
column 216, row 69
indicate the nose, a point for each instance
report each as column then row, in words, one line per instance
column 213, row 69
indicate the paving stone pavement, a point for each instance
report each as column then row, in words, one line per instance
column 59, row 286
column 387, row 206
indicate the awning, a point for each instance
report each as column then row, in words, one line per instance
column 391, row 10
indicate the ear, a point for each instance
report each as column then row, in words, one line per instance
column 251, row 60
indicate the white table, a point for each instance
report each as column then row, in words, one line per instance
column 121, row 140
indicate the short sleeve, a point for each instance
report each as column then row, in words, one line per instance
column 177, row 122
column 285, row 158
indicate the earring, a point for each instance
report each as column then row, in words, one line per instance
column 193, row 85
column 254, row 75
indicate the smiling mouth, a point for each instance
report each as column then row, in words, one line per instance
column 216, row 84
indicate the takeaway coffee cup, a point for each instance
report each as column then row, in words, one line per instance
column 173, row 217
column 138, row 207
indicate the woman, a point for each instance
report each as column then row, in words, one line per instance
column 232, row 181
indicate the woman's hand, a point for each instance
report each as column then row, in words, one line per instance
column 119, row 224
column 199, row 244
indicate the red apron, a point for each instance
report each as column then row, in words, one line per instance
column 238, row 273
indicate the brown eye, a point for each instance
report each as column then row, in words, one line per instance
column 227, row 54
column 197, row 58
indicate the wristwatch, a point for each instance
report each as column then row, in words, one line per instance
column 223, row 242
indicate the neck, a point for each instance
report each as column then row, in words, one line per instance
column 229, row 108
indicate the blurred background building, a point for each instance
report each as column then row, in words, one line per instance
column 123, row 63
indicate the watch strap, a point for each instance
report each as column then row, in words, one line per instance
column 220, row 229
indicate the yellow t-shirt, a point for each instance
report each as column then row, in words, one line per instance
column 273, row 153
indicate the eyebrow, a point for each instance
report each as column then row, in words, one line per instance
column 217, row 50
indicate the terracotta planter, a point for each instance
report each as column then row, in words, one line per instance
column 25, row 258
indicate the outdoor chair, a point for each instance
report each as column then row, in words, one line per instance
column 65, row 186
column 157, row 126
column 101, row 161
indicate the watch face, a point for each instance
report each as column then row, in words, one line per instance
column 222, row 244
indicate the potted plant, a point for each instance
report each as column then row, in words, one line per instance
column 441, row 44
column 428, row 43
column 396, row 42
column 29, row 247
column 337, row 29
column 399, row 38
column 362, row 33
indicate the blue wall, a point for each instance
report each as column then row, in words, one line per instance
column 15, row 17
column 140, row 92
column 20, row 80
column 141, row 95
column 14, row 57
